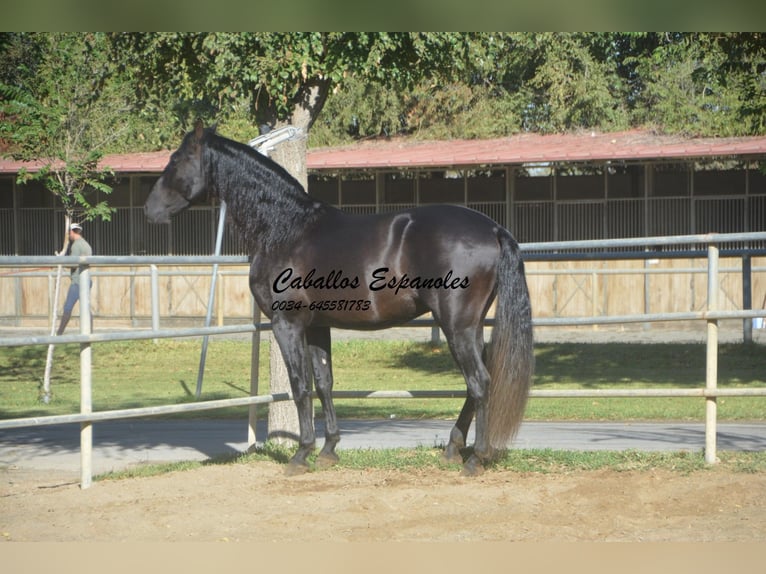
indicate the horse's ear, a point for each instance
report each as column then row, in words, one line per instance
column 198, row 128
column 214, row 128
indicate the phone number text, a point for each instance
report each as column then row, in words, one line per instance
column 326, row 305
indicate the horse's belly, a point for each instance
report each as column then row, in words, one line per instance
column 368, row 313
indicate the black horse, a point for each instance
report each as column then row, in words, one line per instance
column 316, row 267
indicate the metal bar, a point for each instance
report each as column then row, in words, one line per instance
column 268, row 141
column 155, row 288
column 86, row 384
column 255, row 362
column 596, row 255
column 139, row 273
column 133, row 334
column 563, row 393
column 528, row 248
column 648, row 393
column 183, row 260
column 139, row 334
column 638, row 318
column 119, row 260
column 633, row 271
column 117, row 414
column 211, row 298
column 639, row 242
column 529, row 272
column 711, row 366
column 747, row 297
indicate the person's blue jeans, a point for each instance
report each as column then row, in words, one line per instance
column 72, row 296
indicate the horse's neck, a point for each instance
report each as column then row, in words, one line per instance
column 269, row 211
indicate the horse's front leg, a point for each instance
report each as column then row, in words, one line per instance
column 320, row 349
column 291, row 338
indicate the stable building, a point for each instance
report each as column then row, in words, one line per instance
column 541, row 187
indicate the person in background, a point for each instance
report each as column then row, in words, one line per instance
column 79, row 247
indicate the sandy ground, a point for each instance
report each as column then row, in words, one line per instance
column 256, row 502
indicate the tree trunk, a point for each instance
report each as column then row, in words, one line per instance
column 49, row 357
column 283, row 416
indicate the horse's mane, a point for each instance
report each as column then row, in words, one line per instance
column 268, row 205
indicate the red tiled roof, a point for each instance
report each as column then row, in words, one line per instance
column 532, row 148
column 148, row 162
column 519, row 149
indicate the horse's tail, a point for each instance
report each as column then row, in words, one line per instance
column 511, row 358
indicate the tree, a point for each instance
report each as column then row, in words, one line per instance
column 284, row 78
column 281, row 77
column 698, row 83
column 55, row 112
column 693, row 84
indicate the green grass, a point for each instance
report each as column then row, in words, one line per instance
column 542, row 461
column 141, row 373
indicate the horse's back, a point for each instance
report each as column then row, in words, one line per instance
column 374, row 271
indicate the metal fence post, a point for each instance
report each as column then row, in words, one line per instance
column 86, row 386
column 255, row 365
column 711, row 369
column 155, row 281
column 747, row 297
column 211, row 298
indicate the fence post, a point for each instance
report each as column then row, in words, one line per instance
column 155, row 280
column 711, row 370
column 747, row 297
column 211, row 297
column 255, row 365
column 219, row 301
column 86, row 387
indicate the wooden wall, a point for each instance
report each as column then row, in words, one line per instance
column 558, row 289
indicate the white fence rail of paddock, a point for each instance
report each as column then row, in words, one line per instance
column 707, row 244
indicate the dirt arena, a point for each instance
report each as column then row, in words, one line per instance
column 255, row 502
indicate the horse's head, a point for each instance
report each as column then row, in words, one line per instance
column 182, row 182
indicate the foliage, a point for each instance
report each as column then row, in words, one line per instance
column 692, row 84
column 345, row 86
column 56, row 109
column 702, row 84
column 279, row 76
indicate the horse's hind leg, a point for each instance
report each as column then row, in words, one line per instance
column 466, row 350
column 320, row 349
column 292, row 343
column 459, row 434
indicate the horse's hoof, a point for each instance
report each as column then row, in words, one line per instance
column 472, row 467
column 327, row 460
column 451, row 455
column 296, row 468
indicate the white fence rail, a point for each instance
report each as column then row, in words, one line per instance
column 85, row 338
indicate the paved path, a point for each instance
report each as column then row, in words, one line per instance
column 120, row 444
